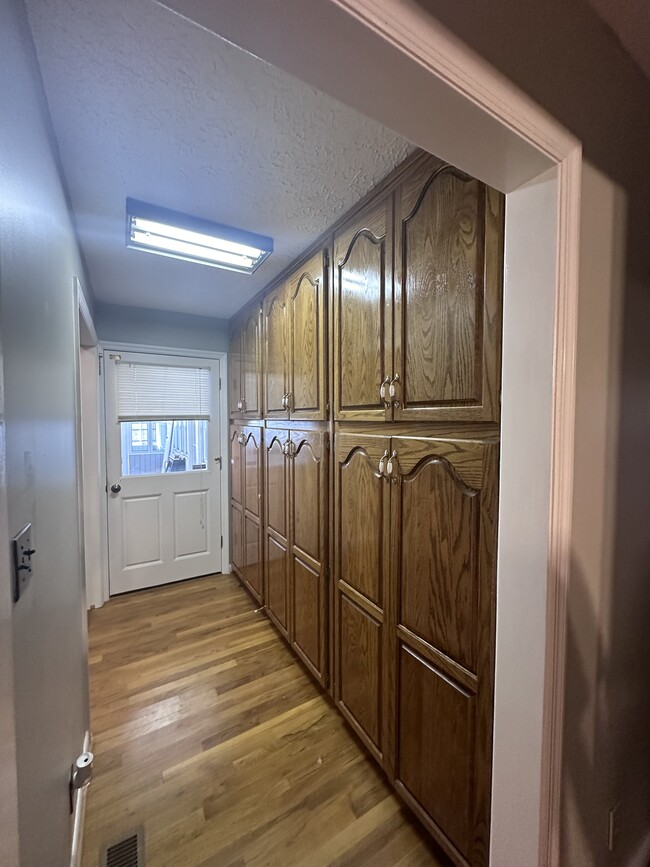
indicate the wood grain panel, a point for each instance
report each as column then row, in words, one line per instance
column 448, row 287
column 252, row 459
column 235, row 392
column 276, row 353
column 277, row 582
column 236, row 490
column 237, row 537
column 360, row 519
column 308, row 356
column 363, row 314
column 252, row 572
column 308, row 492
column 308, row 612
column 436, row 747
column 251, row 364
column 360, row 685
column 276, row 487
column 309, row 548
column 439, row 550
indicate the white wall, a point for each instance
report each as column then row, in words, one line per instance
column 38, row 259
column 141, row 326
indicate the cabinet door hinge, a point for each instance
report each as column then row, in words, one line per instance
column 222, row 541
column 326, row 258
column 219, row 383
column 99, row 359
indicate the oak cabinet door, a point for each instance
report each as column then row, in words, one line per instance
column 235, row 393
column 276, row 541
column 362, row 557
column 236, row 501
column 448, row 293
column 252, row 486
column 363, row 317
column 276, row 353
column 444, row 517
column 307, row 341
column 251, row 365
column 309, row 517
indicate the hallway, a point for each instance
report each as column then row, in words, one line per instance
column 209, row 735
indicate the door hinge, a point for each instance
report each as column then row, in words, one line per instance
column 326, row 258
column 222, row 541
column 99, row 358
column 219, row 383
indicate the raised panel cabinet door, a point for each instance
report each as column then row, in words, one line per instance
column 276, row 527
column 236, row 500
column 253, row 571
column 308, row 333
column 235, row 393
column 276, row 354
column 448, row 296
column 309, row 540
column 444, row 520
column 362, row 643
column 363, row 315
column 252, row 365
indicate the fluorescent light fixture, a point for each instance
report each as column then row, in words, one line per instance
column 170, row 233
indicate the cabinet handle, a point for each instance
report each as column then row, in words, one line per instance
column 243, row 404
column 239, row 406
column 391, row 389
column 289, row 400
column 389, row 465
column 241, row 439
column 382, row 464
column 285, row 399
column 382, row 389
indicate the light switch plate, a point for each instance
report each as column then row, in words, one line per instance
column 23, row 553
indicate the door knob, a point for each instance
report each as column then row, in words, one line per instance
column 115, row 489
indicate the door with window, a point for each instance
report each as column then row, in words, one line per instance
column 163, row 461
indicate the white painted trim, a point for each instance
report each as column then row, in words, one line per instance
column 113, row 346
column 78, row 816
column 497, row 133
column 88, row 335
column 222, row 357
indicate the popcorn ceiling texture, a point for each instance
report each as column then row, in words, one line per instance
column 146, row 104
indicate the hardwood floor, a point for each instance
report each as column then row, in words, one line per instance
column 213, row 738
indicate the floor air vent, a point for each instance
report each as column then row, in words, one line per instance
column 127, row 852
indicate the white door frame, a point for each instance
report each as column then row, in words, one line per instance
column 222, row 357
column 392, row 61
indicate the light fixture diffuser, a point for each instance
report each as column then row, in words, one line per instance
column 181, row 236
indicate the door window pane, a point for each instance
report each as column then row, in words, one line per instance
column 164, row 446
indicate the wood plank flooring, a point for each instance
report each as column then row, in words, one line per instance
column 209, row 734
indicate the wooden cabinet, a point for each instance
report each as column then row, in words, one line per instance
column 363, row 314
column 276, row 530
column 296, row 502
column 244, row 379
column 236, row 501
column 309, row 518
column 252, row 542
column 415, row 586
column 362, row 571
column 420, row 339
column 295, row 357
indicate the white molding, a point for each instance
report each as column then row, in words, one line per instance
column 110, row 345
column 90, row 337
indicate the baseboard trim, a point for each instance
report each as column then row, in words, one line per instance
column 642, row 856
column 78, row 816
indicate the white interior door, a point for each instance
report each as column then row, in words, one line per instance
column 163, row 460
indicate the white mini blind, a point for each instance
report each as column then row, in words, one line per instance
column 148, row 392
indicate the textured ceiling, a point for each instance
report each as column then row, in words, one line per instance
column 145, row 104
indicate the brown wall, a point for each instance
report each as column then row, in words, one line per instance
column 563, row 56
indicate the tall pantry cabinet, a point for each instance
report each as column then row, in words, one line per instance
column 378, row 443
